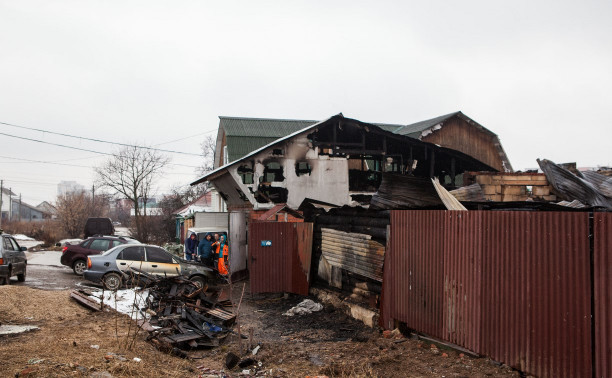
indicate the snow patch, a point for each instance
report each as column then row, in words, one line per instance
column 128, row 301
column 22, row 237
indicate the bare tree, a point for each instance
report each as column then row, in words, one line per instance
column 72, row 212
column 74, row 208
column 132, row 172
column 208, row 154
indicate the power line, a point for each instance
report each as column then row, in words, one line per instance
column 191, row 136
column 55, row 144
column 94, row 140
column 40, row 161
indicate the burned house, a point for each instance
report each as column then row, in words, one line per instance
column 339, row 161
column 239, row 136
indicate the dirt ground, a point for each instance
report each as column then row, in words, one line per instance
column 73, row 341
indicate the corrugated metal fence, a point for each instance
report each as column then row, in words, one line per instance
column 602, row 225
column 515, row 286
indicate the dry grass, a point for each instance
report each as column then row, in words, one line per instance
column 291, row 347
column 49, row 231
column 66, row 334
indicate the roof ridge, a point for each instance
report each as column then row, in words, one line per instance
column 440, row 116
column 268, row 119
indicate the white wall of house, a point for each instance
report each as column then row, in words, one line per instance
column 328, row 180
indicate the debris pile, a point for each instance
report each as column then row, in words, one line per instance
column 184, row 315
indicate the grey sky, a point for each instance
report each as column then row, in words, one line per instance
column 536, row 73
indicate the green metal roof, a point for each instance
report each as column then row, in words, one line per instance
column 238, row 146
column 262, row 127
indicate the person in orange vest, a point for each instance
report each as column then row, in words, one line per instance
column 223, row 255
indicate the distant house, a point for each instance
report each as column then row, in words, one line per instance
column 49, row 211
column 239, row 136
column 6, row 203
column 24, row 212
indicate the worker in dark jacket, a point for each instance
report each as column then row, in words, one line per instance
column 191, row 246
column 205, row 250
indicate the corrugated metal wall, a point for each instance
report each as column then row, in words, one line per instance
column 537, row 296
column 283, row 266
column 602, row 224
column 511, row 285
column 462, row 238
column 416, row 289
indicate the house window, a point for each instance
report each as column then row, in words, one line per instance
column 302, row 168
column 277, row 151
column 246, row 174
column 273, row 171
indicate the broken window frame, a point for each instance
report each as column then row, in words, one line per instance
column 246, row 174
column 300, row 170
column 276, row 174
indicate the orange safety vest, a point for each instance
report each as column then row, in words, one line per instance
column 221, row 264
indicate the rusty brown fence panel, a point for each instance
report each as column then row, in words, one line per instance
column 415, row 260
column 462, row 278
column 511, row 285
column 537, row 293
column 280, row 254
column 602, row 224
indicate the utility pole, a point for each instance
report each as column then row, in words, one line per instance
column 93, row 199
column 10, row 204
column 20, row 207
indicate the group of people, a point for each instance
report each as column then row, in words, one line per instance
column 211, row 250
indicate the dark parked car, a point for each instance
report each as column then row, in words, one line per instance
column 13, row 260
column 75, row 256
column 99, row 226
column 112, row 268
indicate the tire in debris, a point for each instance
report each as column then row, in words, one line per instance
column 112, row 281
column 79, row 267
column 198, row 280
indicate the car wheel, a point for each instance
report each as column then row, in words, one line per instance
column 21, row 277
column 4, row 280
column 112, row 281
column 199, row 281
column 79, row 267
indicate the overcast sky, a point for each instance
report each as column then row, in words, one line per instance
column 537, row 73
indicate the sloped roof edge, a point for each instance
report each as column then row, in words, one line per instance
column 215, row 172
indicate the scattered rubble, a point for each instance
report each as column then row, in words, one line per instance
column 184, row 315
